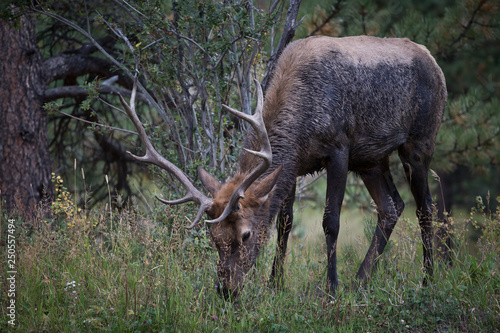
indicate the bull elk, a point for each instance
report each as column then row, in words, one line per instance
column 340, row 104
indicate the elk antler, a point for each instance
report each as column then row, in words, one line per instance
column 265, row 153
column 152, row 156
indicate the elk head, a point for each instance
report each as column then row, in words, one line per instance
column 239, row 210
column 240, row 235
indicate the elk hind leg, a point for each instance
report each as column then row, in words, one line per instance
column 381, row 187
column 416, row 165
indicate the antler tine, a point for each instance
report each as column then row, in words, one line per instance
column 265, row 153
column 153, row 157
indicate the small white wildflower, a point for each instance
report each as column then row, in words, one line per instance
column 70, row 285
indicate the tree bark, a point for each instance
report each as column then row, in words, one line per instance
column 24, row 154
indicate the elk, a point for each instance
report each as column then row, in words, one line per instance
column 339, row 104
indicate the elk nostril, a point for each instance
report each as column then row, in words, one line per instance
column 219, row 285
column 220, row 290
column 246, row 236
column 223, row 292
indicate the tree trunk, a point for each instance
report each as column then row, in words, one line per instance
column 24, row 154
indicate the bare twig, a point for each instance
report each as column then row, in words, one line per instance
column 97, row 124
column 191, row 41
column 78, row 91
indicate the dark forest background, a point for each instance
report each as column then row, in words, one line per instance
column 62, row 64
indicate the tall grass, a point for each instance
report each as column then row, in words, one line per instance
column 129, row 272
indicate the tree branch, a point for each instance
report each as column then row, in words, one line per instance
column 97, row 124
column 469, row 24
column 114, row 61
column 286, row 38
column 335, row 11
column 62, row 65
column 77, row 91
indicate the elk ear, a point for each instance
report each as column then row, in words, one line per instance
column 209, row 182
column 265, row 187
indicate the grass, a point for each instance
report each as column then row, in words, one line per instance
column 121, row 271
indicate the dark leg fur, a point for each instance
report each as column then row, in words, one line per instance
column 379, row 183
column 336, row 182
column 416, row 164
column 284, row 226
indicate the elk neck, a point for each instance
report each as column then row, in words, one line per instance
column 284, row 153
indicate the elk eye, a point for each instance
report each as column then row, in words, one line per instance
column 246, row 236
column 237, row 208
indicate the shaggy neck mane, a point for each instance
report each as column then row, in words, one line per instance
column 283, row 154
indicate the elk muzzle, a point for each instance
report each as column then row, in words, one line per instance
column 230, row 282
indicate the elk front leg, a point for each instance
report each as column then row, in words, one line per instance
column 284, row 225
column 337, row 169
